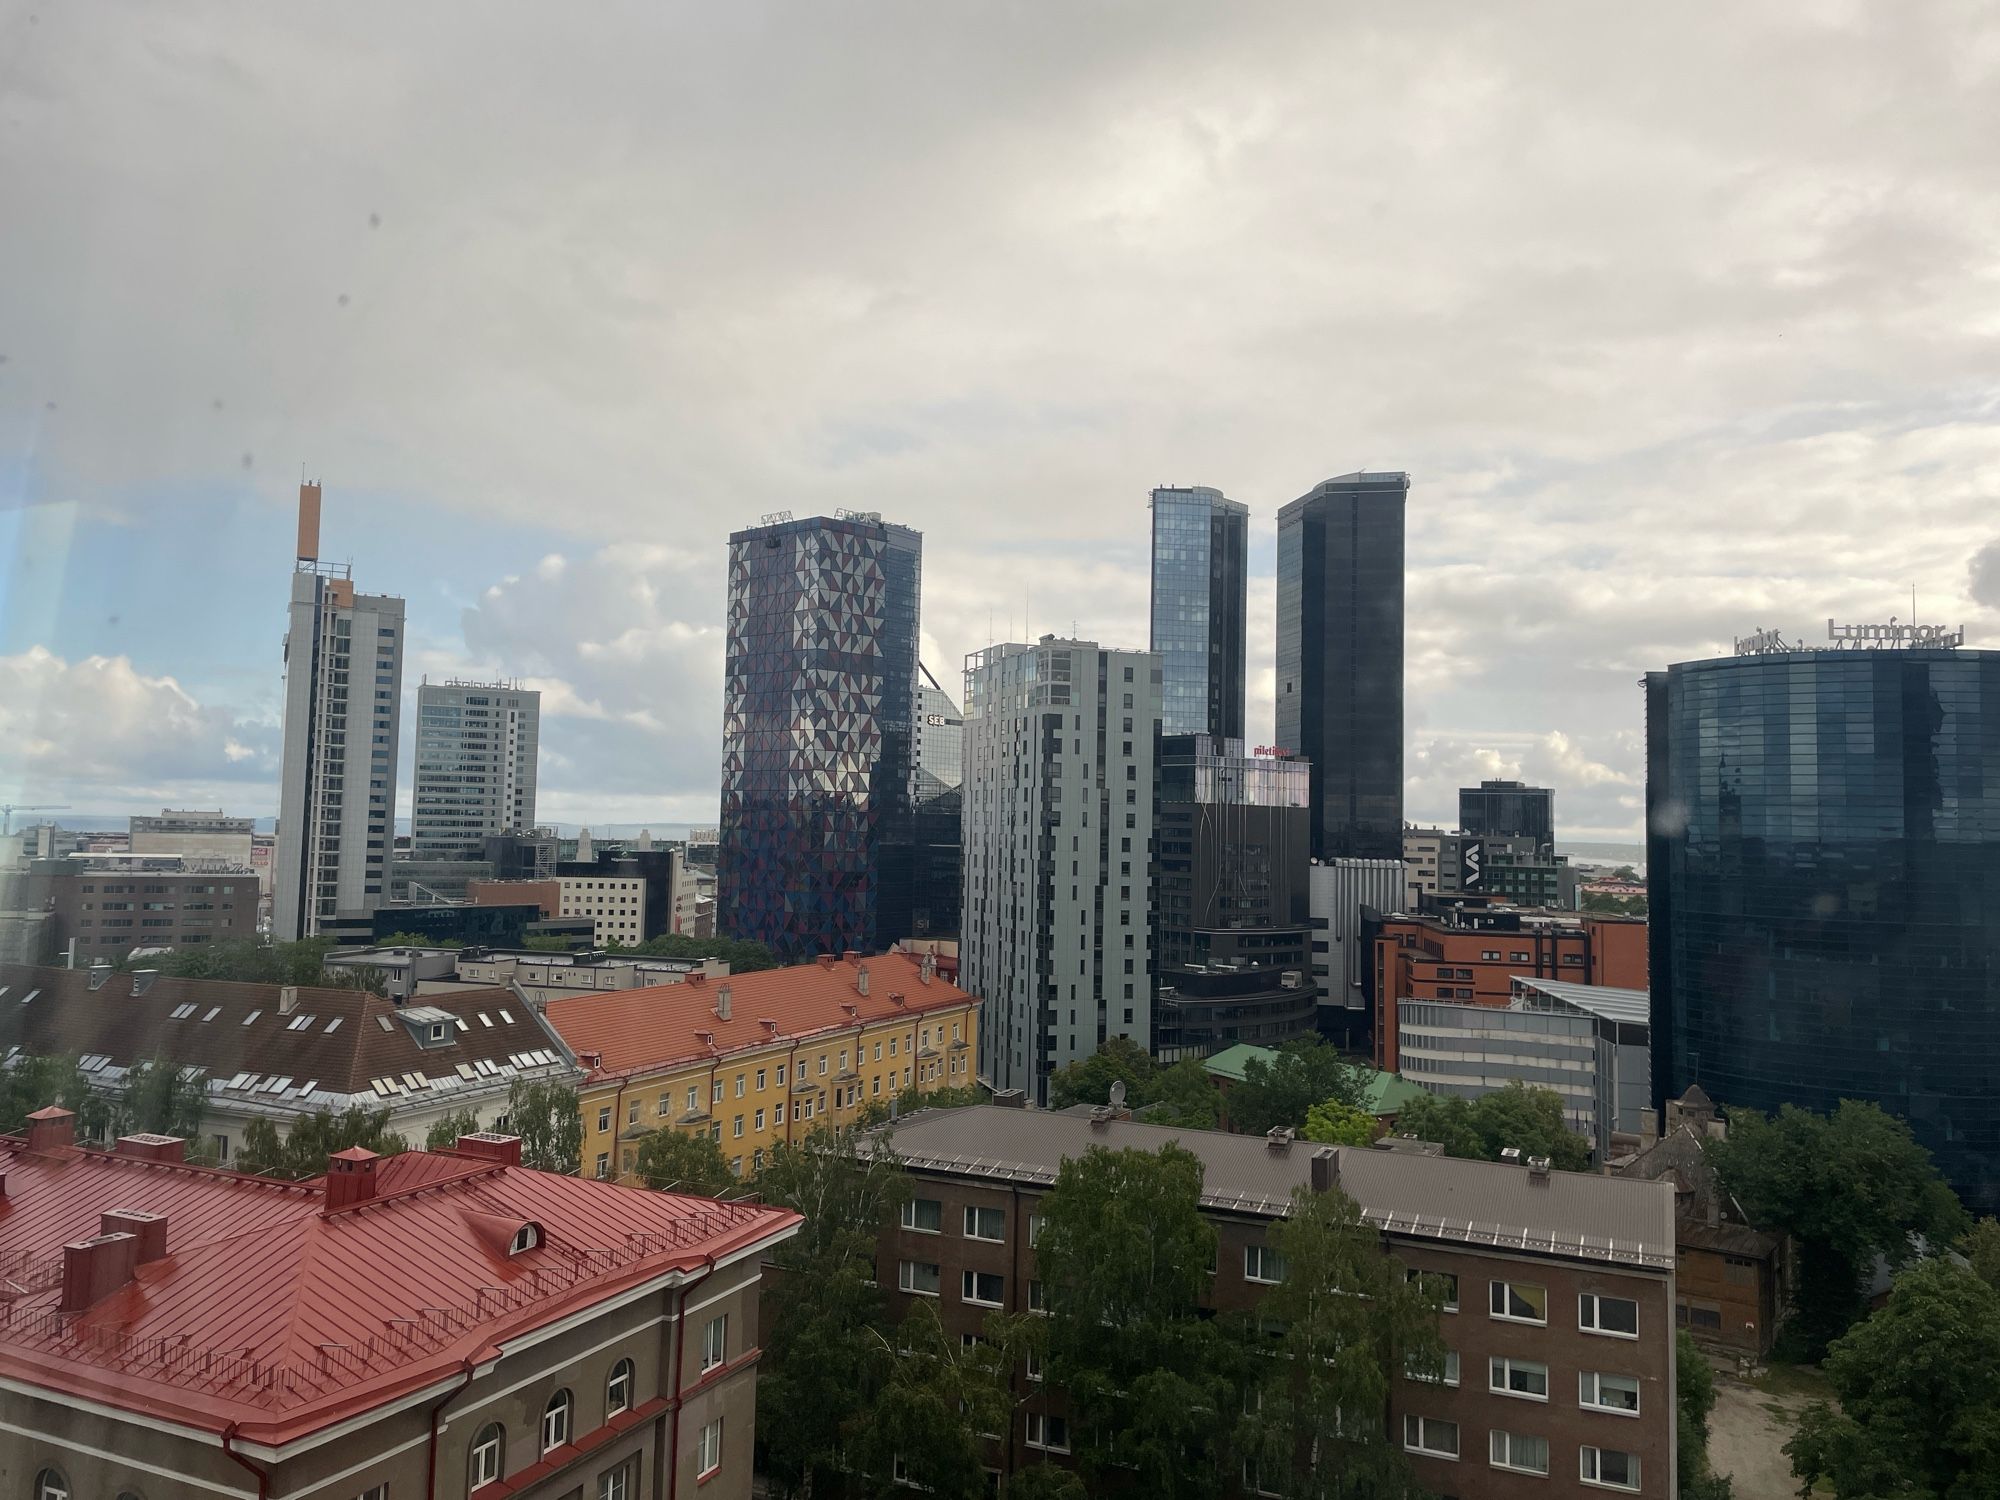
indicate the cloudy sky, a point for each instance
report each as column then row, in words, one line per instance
column 1685, row 320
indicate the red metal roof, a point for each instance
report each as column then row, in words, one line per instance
column 271, row 1312
column 632, row 1030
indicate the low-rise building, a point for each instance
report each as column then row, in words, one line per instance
column 755, row 1059
column 279, row 1053
column 430, row 1324
column 1559, row 1323
column 1382, row 1094
column 108, row 906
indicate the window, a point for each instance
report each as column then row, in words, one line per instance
column 694, row 1101
column 1515, row 1450
column 1693, row 1315
column 1430, row 1435
column 1034, row 1365
column 618, row 1389
column 924, row 1215
column 488, row 1451
column 632, row 1113
column 1520, row 1303
column 526, row 1238
column 715, row 1343
column 760, row 1120
column 708, row 1450
column 555, row 1421
column 1447, row 1376
column 616, row 1484
column 50, row 1485
column 603, row 1165
column 982, row 1287
column 1034, row 1229
column 920, row 1278
column 1049, row 1433
column 1615, row 1316
column 1037, row 1303
column 1262, row 1263
column 1602, row 1392
column 1253, row 1479
column 1610, row 1468
column 736, row 1128
column 986, row 1224
column 604, row 1118
column 1518, row 1377
column 1444, row 1283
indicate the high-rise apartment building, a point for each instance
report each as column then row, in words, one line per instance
column 1508, row 809
column 477, row 750
column 1056, row 934
column 1340, row 658
column 1201, row 542
column 819, row 699
column 1822, row 830
column 343, row 708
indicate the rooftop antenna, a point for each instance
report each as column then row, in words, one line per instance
column 1118, row 1093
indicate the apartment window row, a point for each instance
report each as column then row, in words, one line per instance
column 1523, row 1302
column 487, row 1460
column 1522, row 1453
column 926, row 1216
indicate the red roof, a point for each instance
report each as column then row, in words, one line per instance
column 274, row 1313
column 637, row 1030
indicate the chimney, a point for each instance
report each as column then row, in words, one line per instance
column 1325, row 1169
column 1100, row 1117
column 770, row 1026
column 827, row 960
column 504, row 1149
column 150, row 1230
column 1538, row 1170
column 1511, row 1155
column 95, row 1268
column 695, row 976
column 861, row 980
column 722, row 1002
column 591, row 1060
column 849, row 956
column 149, row 1147
column 99, row 973
column 898, row 999
column 288, row 999
column 926, row 968
column 51, row 1129
column 308, row 522
column 1010, row 1099
column 142, row 980
column 350, row 1177
column 1279, row 1139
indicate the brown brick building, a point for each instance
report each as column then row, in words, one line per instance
column 113, row 904
column 1561, row 1339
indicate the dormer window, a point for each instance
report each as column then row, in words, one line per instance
column 440, row 1030
column 526, row 1238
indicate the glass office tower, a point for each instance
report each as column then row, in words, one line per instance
column 1340, row 658
column 1823, row 828
column 819, row 702
column 1201, row 540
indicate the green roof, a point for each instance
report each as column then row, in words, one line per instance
column 1231, row 1061
column 1386, row 1093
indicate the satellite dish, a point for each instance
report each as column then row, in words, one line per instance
column 1118, row 1094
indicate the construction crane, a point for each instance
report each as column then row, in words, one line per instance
column 8, row 809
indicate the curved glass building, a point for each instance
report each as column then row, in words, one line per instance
column 1823, row 828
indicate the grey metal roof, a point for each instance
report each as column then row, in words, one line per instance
column 1573, row 1215
column 1629, row 1006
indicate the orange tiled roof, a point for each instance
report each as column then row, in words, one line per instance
column 632, row 1031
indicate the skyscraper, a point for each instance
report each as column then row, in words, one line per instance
column 1340, row 658
column 1823, row 832
column 1200, row 544
column 343, row 706
column 477, row 750
column 940, row 739
column 1508, row 809
column 1057, row 934
column 819, row 699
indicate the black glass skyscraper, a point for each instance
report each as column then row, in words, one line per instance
column 1340, row 658
column 1201, row 541
column 1823, row 857
column 819, row 703
column 1508, row 809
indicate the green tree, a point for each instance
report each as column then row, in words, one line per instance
column 549, row 1120
column 1982, row 1248
column 1353, row 1321
column 741, row 954
column 548, row 942
column 684, row 1161
column 1919, row 1389
column 1282, row 1090
column 1694, row 1390
column 1046, row 1481
column 1848, row 1187
column 1089, row 1079
column 416, row 940
column 313, row 1138
column 1184, row 1096
column 444, row 1133
column 32, row 1083
column 1339, row 1123
column 936, row 1397
column 161, row 1098
column 257, row 961
column 822, row 1362
column 1530, row 1119
column 1123, row 1245
column 1444, row 1118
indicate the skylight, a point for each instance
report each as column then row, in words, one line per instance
column 29, row 996
column 252, row 1016
column 334, row 1025
column 213, row 1012
column 182, row 1012
column 485, row 1020
column 507, row 1018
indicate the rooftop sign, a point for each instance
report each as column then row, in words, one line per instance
column 1893, row 636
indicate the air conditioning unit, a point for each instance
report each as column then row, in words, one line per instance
column 1290, row 980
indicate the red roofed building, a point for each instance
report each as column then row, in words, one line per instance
column 431, row 1324
column 769, row 1056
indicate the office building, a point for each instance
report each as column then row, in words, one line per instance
column 1232, row 940
column 819, row 703
column 478, row 745
column 1201, row 544
column 756, row 1059
column 940, row 740
column 1823, row 827
column 1340, row 658
column 429, row 1324
column 1341, row 891
column 1591, row 1044
column 1056, row 934
column 1516, row 869
column 343, row 706
column 1509, row 809
column 1559, row 1319
column 198, row 835
column 111, row 906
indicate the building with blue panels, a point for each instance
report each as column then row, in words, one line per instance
column 1201, row 542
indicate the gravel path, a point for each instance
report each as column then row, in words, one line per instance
column 1747, row 1433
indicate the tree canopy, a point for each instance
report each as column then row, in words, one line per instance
column 549, row 1120
column 445, row 1131
column 32, row 1083
column 684, row 1161
column 1089, row 1079
column 260, row 961
column 936, row 1396
column 1919, row 1389
column 741, row 954
column 1848, row 1186
column 1982, row 1248
column 1283, row 1090
column 314, row 1138
column 1339, row 1123
column 1530, row 1119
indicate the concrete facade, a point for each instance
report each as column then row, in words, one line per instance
column 478, row 745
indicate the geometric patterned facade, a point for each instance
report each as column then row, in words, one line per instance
column 819, row 698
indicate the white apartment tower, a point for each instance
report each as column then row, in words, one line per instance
column 477, row 749
column 1056, row 930
column 343, row 707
